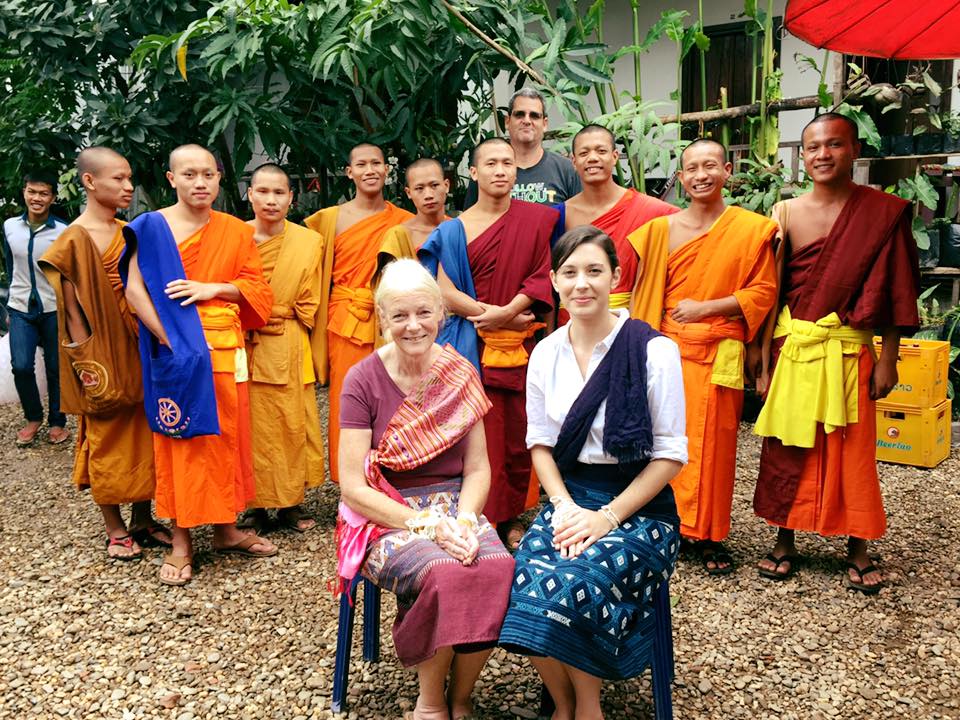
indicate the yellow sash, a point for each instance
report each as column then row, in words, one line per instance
column 504, row 348
column 816, row 379
column 360, row 324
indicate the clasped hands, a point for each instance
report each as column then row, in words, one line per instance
column 576, row 528
column 497, row 316
column 458, row 539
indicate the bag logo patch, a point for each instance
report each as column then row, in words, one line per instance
column 169, row 417
column 93, row 376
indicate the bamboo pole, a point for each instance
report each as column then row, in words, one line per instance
column 797, row 103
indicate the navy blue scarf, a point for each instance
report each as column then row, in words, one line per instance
column 627, row 427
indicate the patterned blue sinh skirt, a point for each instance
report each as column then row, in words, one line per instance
column 594, row 612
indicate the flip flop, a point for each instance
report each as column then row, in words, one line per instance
column 58, row 440
column 243, row 548
column 147, row 536
column 290, row 519
column 179, row 562
column 861, row 586
column 26, row 438
column 122, row 541
column 716, row 553
column 794, row 560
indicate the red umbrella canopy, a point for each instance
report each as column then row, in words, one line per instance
column 901, row 29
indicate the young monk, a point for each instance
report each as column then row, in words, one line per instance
column 616, row 210
column 707, row 281
column 100, row 376
column 352, row 233
column 493, row 265
column 194, row 279
column 850, row 270
column 427, row 189
column 287, row 445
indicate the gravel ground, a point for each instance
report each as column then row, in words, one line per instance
column 81, row 637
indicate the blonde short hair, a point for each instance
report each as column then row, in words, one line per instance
column 405, row 277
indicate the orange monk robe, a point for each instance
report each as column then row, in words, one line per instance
column 114, row 452
column 734, row 257
column 287, row 444
column 346, row 330
column 209, row 479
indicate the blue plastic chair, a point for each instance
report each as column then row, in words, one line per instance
column 661, row 664
column 371, row 636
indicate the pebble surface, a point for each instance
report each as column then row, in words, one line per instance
column 84, row 637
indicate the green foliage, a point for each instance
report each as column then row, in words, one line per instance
column 756, row 186
column 918, row 189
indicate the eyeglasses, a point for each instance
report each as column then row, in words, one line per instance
column 521, row 114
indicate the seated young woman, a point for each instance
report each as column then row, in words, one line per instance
column 606, row 429
column 414, row 478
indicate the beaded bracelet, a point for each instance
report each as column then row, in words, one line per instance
column 611, row 516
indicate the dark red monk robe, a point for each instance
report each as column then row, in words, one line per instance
column 866, row 271
column 511, row 256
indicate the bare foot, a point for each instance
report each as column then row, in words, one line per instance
column 862, row 575
column 458, row 711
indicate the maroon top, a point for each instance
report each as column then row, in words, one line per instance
column 369, row 400
column 509, row 257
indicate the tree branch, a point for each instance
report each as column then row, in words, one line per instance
column 798, row 103
column 537, row 77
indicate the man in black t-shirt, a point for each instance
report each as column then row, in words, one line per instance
column 542, row 177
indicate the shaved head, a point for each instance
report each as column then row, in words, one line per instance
column 594, row 128
column 422, row 163
column 272, row 169
column 92, row 159
column 834, row 117
column 483, row 143
column 721, row 150
column 178, row 152
column 365, row 146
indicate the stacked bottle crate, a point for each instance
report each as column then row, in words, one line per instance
column 913, row 421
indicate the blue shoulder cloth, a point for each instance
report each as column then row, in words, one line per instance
column 447, row 246
column 178, row 391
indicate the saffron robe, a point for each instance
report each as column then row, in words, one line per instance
column 734, row 257
column 631, row 212
column 284, row 418
column 100, row 377
column 346, row 331
column 208, row 479
column 511, row 256
column 866, row 271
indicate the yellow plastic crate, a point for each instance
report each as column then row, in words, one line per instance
column 911, row 435
column 922, row 372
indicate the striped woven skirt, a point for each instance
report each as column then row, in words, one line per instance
column 441, row 602
column 594, row 612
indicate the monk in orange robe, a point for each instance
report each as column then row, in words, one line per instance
column 616, row 210
column 427, row 189
column 287, row 443
column 99, row 364
column 352, row 234
column 707, row 281
column 850, row 270
column 207, row 479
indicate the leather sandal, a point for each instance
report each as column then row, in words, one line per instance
column 179, row 562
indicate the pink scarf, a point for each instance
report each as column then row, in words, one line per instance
column 447, row 402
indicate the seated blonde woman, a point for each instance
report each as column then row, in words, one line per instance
column 413, row 479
